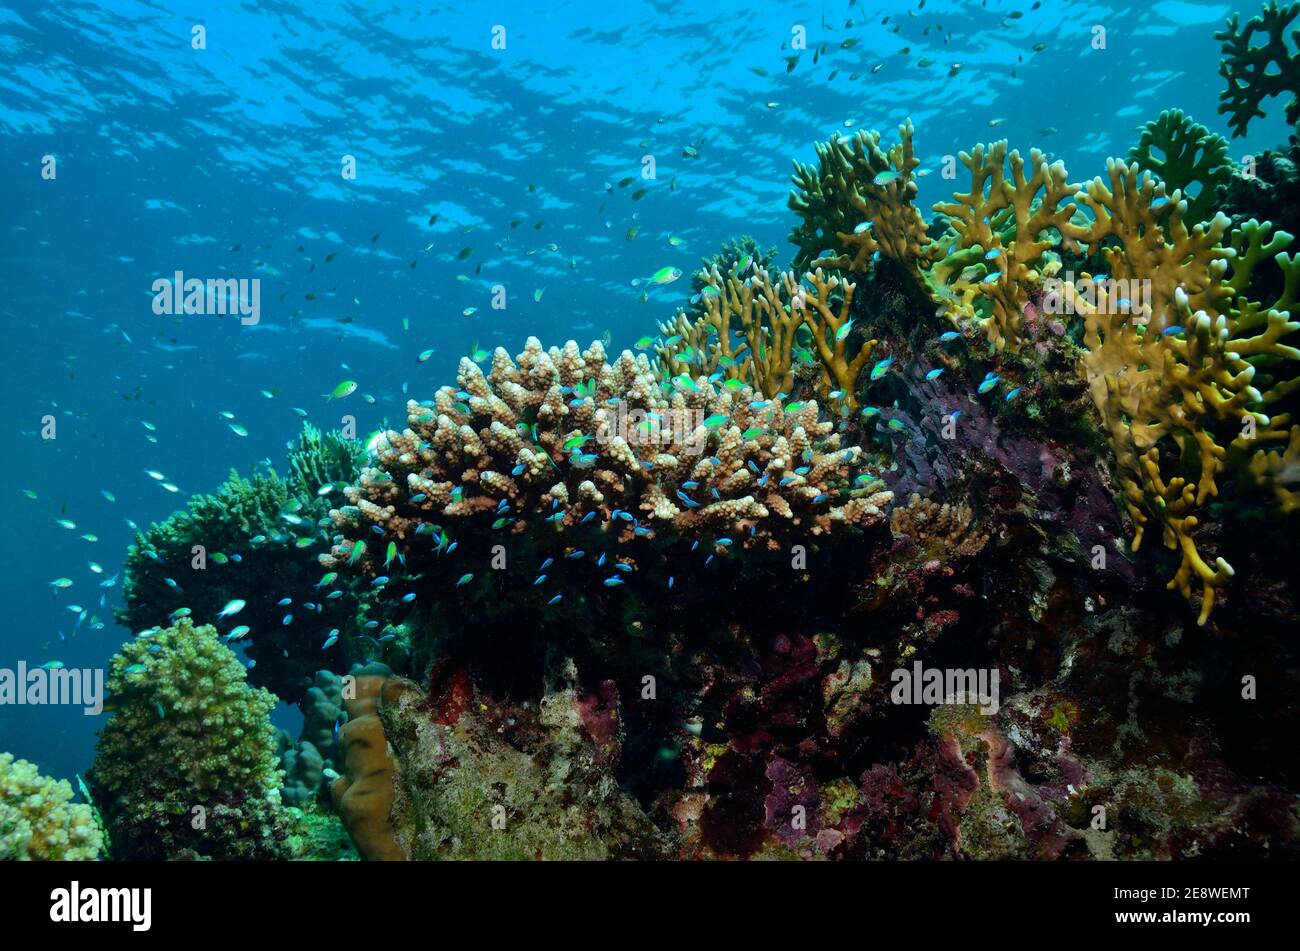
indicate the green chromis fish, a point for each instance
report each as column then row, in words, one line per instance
column 881, row 368
column 665, row 275
column 346, row 388
column 358, row 549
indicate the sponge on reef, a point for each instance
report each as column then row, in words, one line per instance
column 363, row 795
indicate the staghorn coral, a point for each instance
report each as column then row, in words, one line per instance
column 1012, row 222
column 39, row 821
column 1255, row 73
column 1190, row 154
column 857, row 203
column 700, row 459
column 187, row 766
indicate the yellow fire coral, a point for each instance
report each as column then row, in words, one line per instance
column 38, row 819
column 1183, row 153
column 859, row 201
column 1185, row 360
column 830, row 333
column 763, row 357
column 1014, row 220
column 1257, row 72
column 768, row 314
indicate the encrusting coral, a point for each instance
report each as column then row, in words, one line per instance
column 363, row 794
column 186, row 767
column 39, row 821
column 1254, row 73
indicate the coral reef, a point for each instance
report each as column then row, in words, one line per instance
column 684, row 604
column 38, row 819
column 1255, row 73
column 187, row 766
column 1183, row 153
column 704, row 460
column 251, row 533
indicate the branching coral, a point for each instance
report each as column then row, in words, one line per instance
column 1011, row 221
column 565, row 436
column 187, row 765
column 1190, row 154
column 38, row 819
column 762, row 357
column 1254, row 73
column 772, row 317
column 204, row 556
column 831, row 328
column 1187, row 362
column 858, row 202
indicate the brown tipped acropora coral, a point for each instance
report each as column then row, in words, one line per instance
column 564, row 435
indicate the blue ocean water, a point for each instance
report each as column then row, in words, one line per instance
column 228, row 161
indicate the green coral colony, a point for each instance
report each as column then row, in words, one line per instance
column 675, row 581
